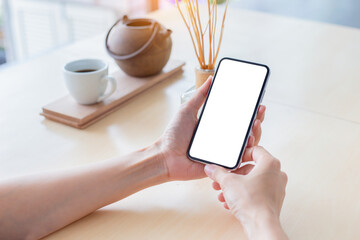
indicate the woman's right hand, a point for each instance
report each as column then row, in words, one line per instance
column 254, row 194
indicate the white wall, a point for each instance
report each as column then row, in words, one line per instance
column 38, row 26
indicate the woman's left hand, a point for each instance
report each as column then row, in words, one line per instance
column 175, row 140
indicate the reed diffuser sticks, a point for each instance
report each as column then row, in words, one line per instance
column 191, row 18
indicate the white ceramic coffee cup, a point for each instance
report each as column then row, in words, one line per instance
column 88, row 87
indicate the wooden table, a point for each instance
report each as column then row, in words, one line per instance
column 312, row 126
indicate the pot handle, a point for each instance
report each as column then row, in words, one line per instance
column 137, row 52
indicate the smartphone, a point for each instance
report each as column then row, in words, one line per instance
column 229, row 111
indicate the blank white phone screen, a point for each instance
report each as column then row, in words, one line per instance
column 228, row 112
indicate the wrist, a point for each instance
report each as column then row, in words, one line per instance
column 153, row 160
column 263, row 225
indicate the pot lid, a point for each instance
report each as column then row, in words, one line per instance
column 128, row 36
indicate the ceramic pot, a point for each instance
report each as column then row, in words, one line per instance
column 201, row 75
column 141, row 47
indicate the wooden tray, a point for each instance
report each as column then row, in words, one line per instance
column 67, row 111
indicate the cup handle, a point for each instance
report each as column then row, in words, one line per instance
column 112, row 90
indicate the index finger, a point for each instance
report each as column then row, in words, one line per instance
column 261, row 157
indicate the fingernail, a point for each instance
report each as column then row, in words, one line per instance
column 209, row 169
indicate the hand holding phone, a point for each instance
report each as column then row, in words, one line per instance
column 229, row 111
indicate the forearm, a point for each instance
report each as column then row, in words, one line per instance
column 34, row 206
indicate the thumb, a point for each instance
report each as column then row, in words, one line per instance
column 198, row 99
column 216, row 173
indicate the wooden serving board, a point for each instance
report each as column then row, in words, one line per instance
column 67, row 111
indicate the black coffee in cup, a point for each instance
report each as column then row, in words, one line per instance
column 85, row 70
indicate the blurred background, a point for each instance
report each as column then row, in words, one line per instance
column 29, row 28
